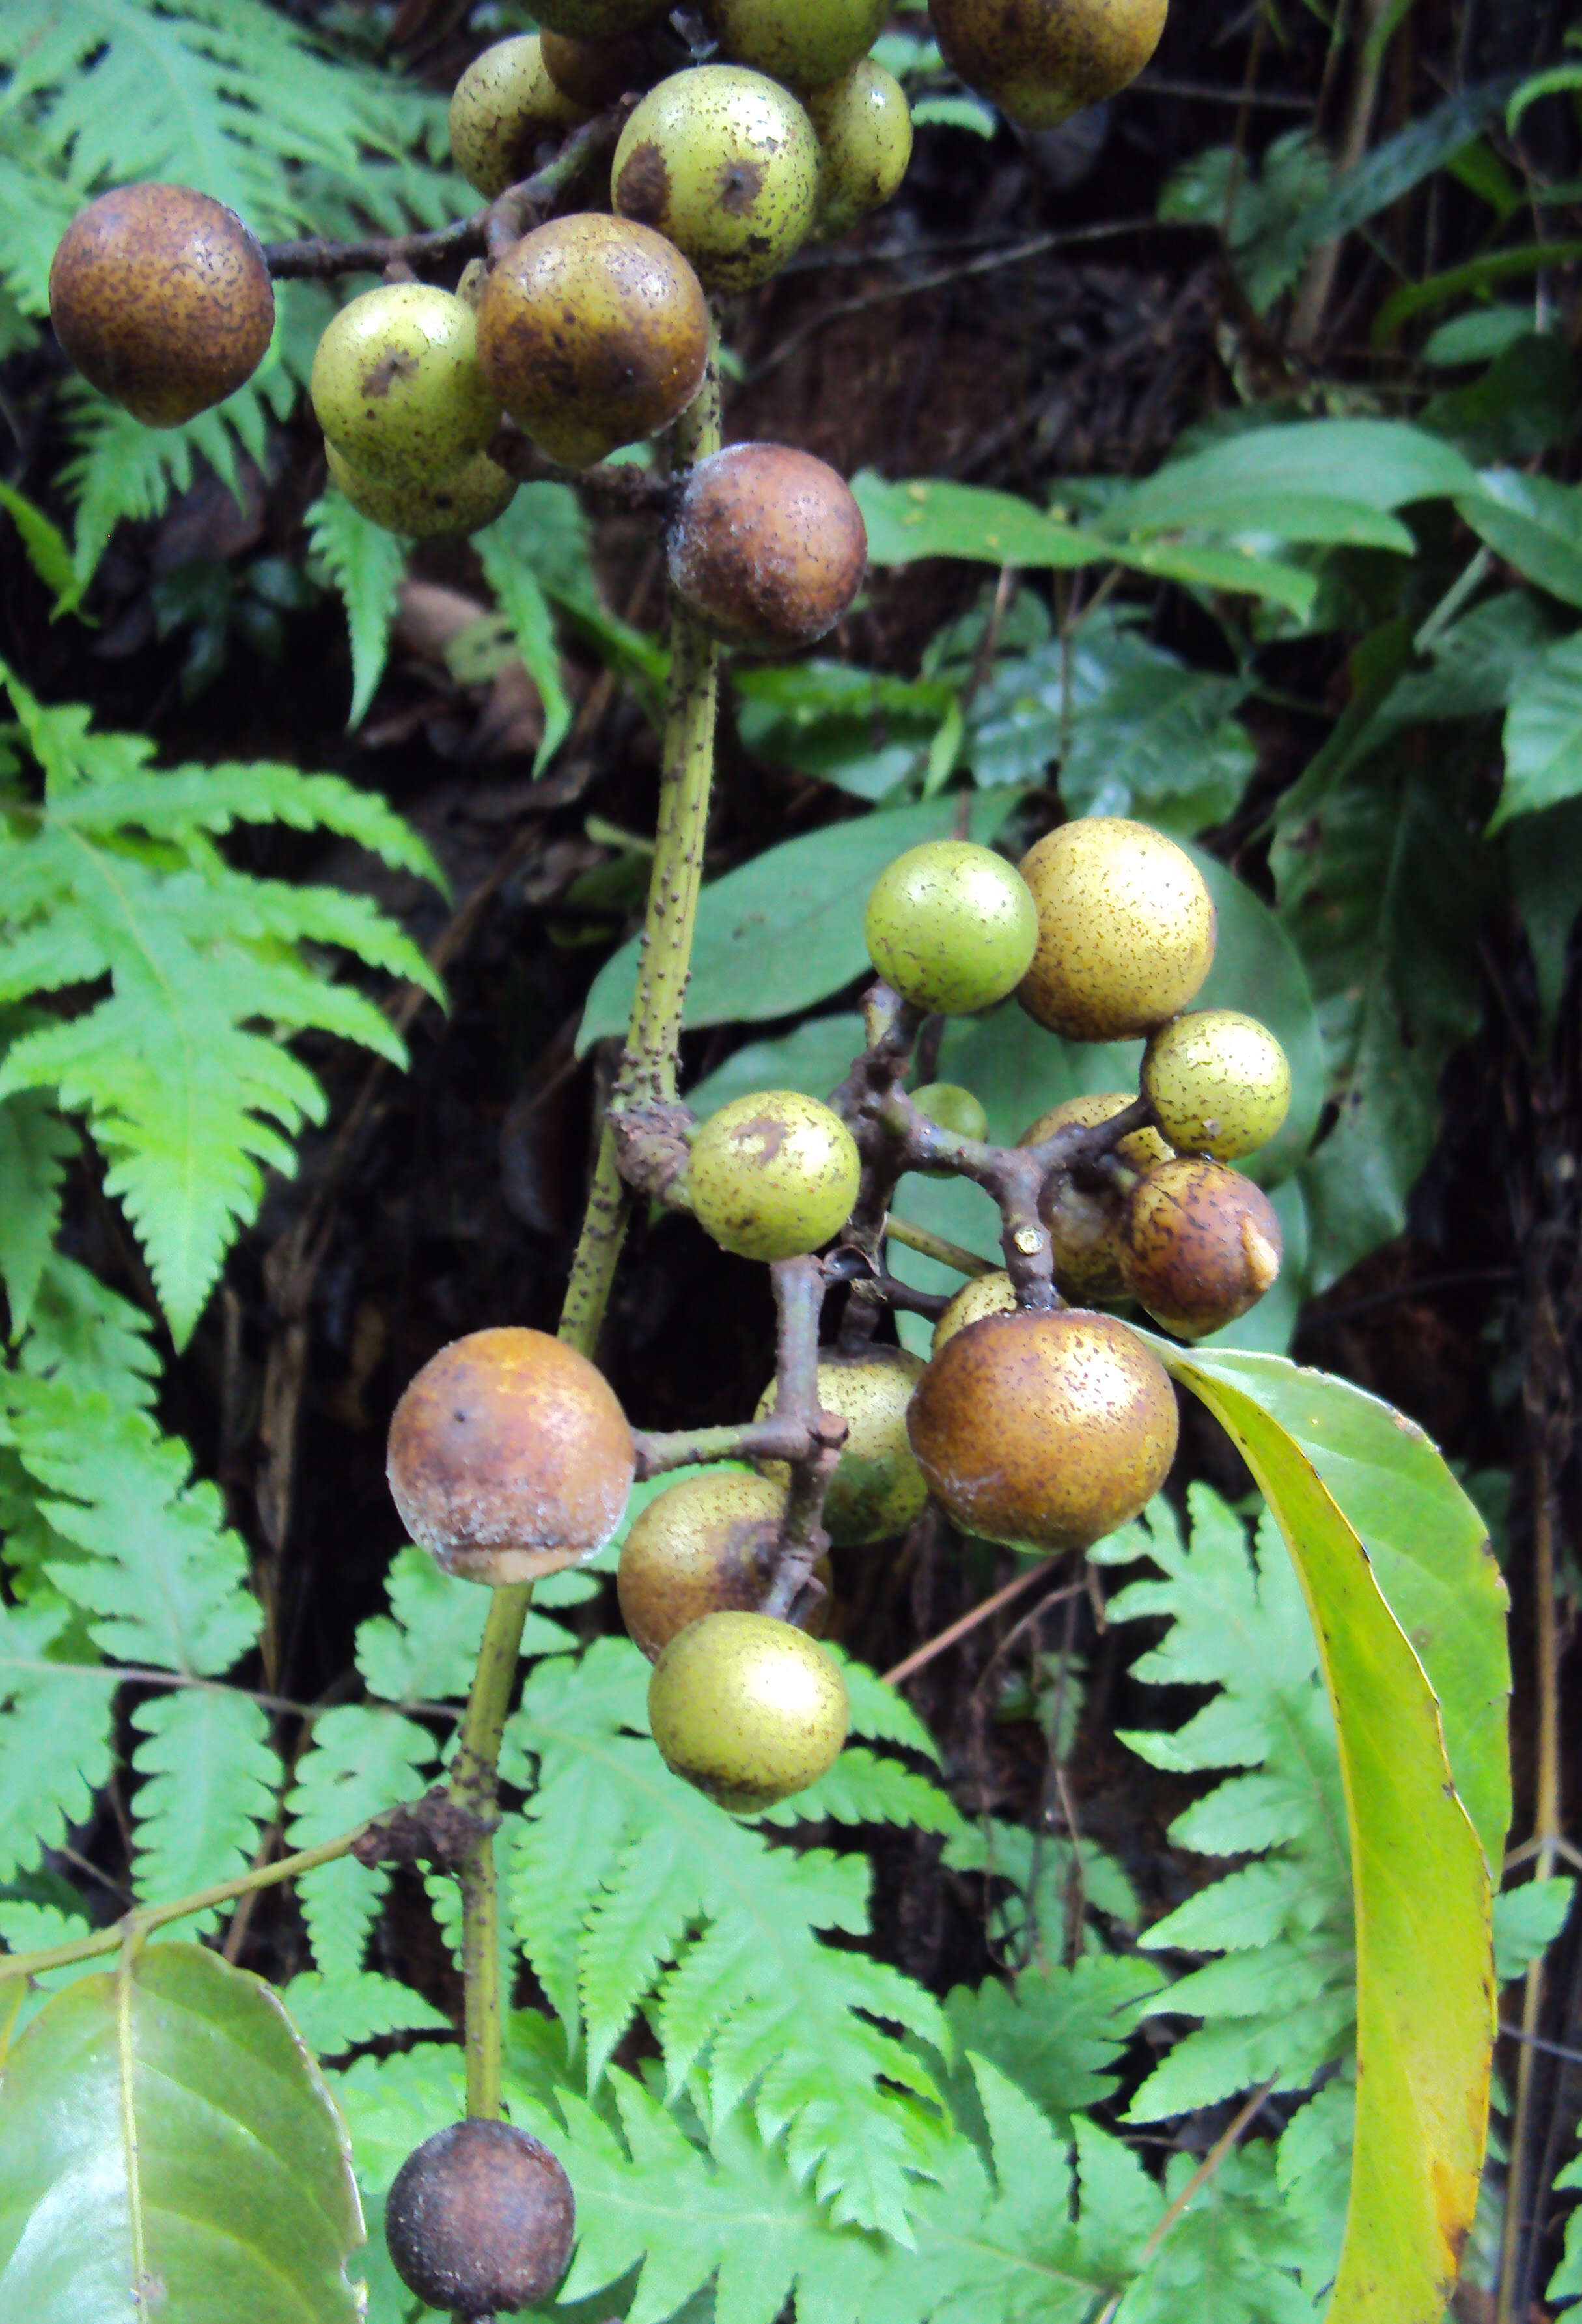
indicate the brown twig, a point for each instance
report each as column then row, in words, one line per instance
column 948, row 1638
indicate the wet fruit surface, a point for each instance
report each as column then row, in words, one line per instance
column 1126, row 929
column 1140, row 1150
column 396, row 385
column 806, row 43
column 510, row 1456
column 723, row 162
column 593, row 332
column 162, row 298
column 1218, row 1083
column 1200, row 1245
column 768, row 547
column 1042, row 61
column 772, row 1175
column 951, row 925
column 707, row 1545
column 877, row 1487
column 480, row 2219
column 986, row 1295
column 502, row 108
column 864, row 125
column 747, row 1708
column 472, row 496
column 1044, row 1429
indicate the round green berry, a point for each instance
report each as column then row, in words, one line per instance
column 397, row 387
column 1218, row 1083
column 503, row 107
column 772, row 1175
column 472, row 496
column 950, row 1107
column 806, row 43
column 951, row 927
column 747, row 1708
column 877, row 1487
column 723, row 162
column 864, row 125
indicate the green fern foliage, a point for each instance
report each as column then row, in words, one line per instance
column 208, row 1787
column 113, row 877
column 366, row 564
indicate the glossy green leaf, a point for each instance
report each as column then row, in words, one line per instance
column 1478, row 336
column 47, row 549
column 1532, row 523
column 813, row 1058
column 856, row 728
column 1477, row 275
column 1315, row 480
column 926, row 518
column 1543, row 856
column 169, row 2148
column 786, row 929
column 1543, row 735
column 1425, row 2020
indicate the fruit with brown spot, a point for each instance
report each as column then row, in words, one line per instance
column 1218, row 1083
column 723, row 162
column 986, row 1295
column 397, row 387
column 594, row 332
column 748, row 1709
column 474, row 495
column 509, row 1456
column 1043, row 60
column 480, row 2219
column 1126, row 929
column 162, row 299
column 1045, row 1428
column 767, row 548
column 862, row 123
column 707, row 1545
column 950, row 926
column 877, row 1487
column 805, row 44
column 504, row 106
column 772, row 1175
column 1084, row 1219
column 1200, row 1245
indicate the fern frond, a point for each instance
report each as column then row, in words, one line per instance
column 335, row 2015
column 115, row 878
column 366, row 564
column 36, row 1146
column 1055, row 2031
column 87, row 1339
column 361, row 1761
column 1237, row 2255
column 55, row 1744
column 209, row 1781
column 1031, row 1912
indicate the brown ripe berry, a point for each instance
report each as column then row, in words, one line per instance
column 504, row 108
column 1046, row 1428
column 509, row 1456
column 747, row 1708
column 593, row 332
column 162, row 299
column 986, row 1295
column 1085, row 1221
column 1126, row 929
column 1200, row 1246
column 707, row 1545
column 1042, row 61
column 480, row 2221
column 877, row 1487
column 768, row 548
column 597, row 73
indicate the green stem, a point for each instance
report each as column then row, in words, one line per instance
column 648, row 1070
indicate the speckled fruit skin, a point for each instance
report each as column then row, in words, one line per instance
column 805, row 44
column 595, row 20
column 723, row 162
column 474, row 496
column 747, row 1708
column 767, row 548
column 1220, row 1083
column 501, row 109
column 986, row 1295
column 162, row 298
column 704, row 1546
column 952, row 1108
column 1085, row 1222
column 877, row 1487
column 1044, row 1429
column 397, row 387
column 593, row 332
column 1140, row 1150
column 1043, row 60
column 862, row 123
column 772, row 1175
column 595, row 73
column 1200, row 1245
column 479, row 2220
column 950, row 926
column 509, row 1456
column 1126, row 929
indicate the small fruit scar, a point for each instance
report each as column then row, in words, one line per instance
column 643, row 189
column 1262, row 1258
column 396, row 365
column 740, row 185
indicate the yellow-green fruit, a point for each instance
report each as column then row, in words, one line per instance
column 805, row 44
column 1218, row 1083
column 1043, row 60
column 162, row 299
column 397, row 387
column 951, row 927
column 747, row 1708
column 502, row 108
column 1140, row 1150
column 772, row 1175
column 707, row 1545
column 950, row 1107
column 877, row 1487
column 593, row 332
column 595, row 20
column 1126, row 929
column 986, row 1295
column 1200, row 1245
column 1045, row 1428
column 465, row 501
column 864, row 127
column 723, row 162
